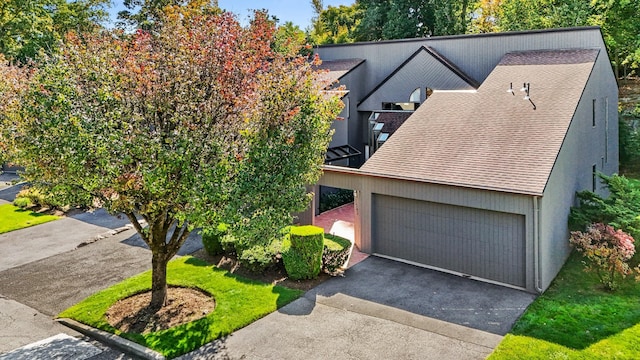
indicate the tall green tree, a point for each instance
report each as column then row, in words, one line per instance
column 146, row 14
column 384, row 19
column 31, row 27
column 290, row 39
column 617, row 18
column 195, row 123
column 336, row 25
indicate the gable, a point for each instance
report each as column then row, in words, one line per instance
column 424, row 69
column 493, row 139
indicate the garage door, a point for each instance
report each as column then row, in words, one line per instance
column 482, row 243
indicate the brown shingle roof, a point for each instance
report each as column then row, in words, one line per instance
column 336, row 69
column 491, row 139
column 393, row 120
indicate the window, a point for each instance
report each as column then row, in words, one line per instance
column 593, row 112
column 415, row 96
column 606, row 130
column 594, row 178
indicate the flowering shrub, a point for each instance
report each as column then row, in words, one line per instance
column 607, row 250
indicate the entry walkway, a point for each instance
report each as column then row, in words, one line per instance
column 340, row 222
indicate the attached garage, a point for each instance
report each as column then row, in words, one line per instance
column 481, row 243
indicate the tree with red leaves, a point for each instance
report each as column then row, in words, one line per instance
column 195, row 123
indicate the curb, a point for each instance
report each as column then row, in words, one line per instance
column 110, row 339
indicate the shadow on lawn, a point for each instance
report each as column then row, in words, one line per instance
column 577, row 312
column 284, row 294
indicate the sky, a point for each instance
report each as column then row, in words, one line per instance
column 298, row 12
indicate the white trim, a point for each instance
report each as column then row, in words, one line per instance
column 473, row 91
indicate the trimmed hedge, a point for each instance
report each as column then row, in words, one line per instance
column 211, row 239
column 336, row 252
column 302, row 252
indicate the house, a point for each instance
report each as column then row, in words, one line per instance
column 465, row 152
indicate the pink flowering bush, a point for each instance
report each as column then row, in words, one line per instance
column 607, row 250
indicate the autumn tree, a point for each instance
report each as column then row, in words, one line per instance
column 196, row 123
column 13, row 81
column 146, row 14
column 28, row 28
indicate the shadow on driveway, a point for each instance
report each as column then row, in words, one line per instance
column 426, row 292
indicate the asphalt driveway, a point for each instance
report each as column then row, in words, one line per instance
column 381, row 309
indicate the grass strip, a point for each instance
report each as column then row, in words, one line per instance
column 13, row 218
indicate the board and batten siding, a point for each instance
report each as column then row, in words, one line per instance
column 572, row 171
column 469, row 241
column 367, row 186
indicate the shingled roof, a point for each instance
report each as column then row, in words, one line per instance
column 336, row 69
column 490, row 139
column 392, row 120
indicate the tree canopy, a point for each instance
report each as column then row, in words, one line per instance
column 145, row 14
column 618, row 20
column 195, row 123
column 31, row 27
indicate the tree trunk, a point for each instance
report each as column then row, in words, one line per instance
column 158, row 281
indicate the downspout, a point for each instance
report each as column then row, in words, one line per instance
column 536, row 245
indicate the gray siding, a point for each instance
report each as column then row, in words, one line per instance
column 476, row 55
column 367, row 186
column 340, row 127
column 421, row 72
column 355, row 127
column 583, row 147
column 482, row 243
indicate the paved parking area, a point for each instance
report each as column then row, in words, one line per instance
column 381, row 309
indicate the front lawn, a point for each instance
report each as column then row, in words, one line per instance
column 577, row 319
column 239, row 302
column 14, row 218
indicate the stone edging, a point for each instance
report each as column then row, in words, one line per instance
column 110, row 339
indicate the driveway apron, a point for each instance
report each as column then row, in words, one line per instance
column 381, row 309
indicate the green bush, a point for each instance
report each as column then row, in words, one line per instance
column 333, row 200
column 23, row 203
column 302, row 252
column 30, row 196
column 39, row 197
column 211, row 239
column 260, row 257
column 620, row 210
column 335, row 253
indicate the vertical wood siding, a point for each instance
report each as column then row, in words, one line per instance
column 482, row 243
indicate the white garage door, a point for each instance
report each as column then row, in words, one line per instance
column 481, row 243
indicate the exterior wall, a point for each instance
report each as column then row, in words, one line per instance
column 367, row 186
column 476, row 55
column 583, row 147
column 340, row 127
column 420, row 72
column 354, row 126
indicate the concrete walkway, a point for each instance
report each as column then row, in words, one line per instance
column 340, row 221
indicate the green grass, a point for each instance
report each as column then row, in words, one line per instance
column 239, row 302
column 577, row 319
column 335, row 243
column 14, row 218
